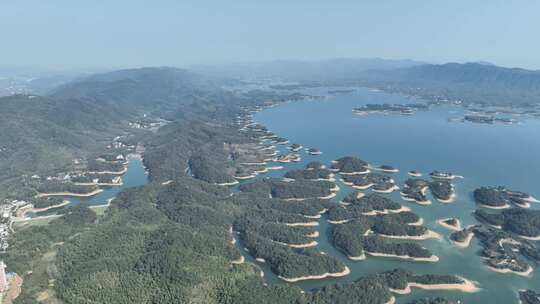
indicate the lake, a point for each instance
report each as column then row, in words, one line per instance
column 486, row 155
column 135, row 176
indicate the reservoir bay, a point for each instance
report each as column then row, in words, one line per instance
column 486, row 155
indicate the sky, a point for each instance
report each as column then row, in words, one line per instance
column 67, row 34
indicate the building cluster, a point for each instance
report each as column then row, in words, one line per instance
column 8, row 211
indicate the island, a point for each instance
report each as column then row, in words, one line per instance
column 378, row 288
column 291, row 190
column 386, row 169
column 462, row 238
column 350, row 165
column 444, row 175
column 353, row 239
column 314, row 151
column 415, row 190
column 414, row 173
column 356, row 205
column 315, row 165
column 437, row 300
column 502, row 251
column 295, row 147
column 501, row 198
column 293, row 265
column 450, row 223
column 485, row 118
column 380, row 182
column 310, row 174
column 443, row 191
column 529, row 297
column 386, row 109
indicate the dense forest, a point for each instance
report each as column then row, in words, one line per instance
column 175, row 241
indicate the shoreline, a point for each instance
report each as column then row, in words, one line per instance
column 431, row 259
column 451, row 199
column 110, row 172
column 357, row 258
column 306, row 224
column 465, row 243
column 36, row 210
column 389, row 190
column 387, row 211
column 467, row 286
column 343, row 273
column 395, row 170
column 70, row 194
column 229, row 183
column 307, row 245
column 420, row 222
column 428, row 235
column 238, row 261
column 525, row 273
column 530, row 238
column 505, row 206
column 408, row 199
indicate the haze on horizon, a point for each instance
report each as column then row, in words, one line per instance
column 63, row 34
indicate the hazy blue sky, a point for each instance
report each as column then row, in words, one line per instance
column 121, row 33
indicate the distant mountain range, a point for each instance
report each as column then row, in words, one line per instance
column 469, row 82
column 296, row 70
column 479, row 82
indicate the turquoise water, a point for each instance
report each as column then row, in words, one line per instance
column 135, row 176
column 484, row 154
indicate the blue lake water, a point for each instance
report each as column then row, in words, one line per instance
column 135, row 176
column 497, row 154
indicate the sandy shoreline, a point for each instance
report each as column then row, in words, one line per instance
column 420, row 222
column 467, row 286
column 314, row 234
column 389, row 190
column 229, row 183
column 70, row 194
column 355, row 172
column 525, row 273
column 451, row 199
column 307, row 245
column 36, row 210
column 465, row 243
column 343, row 273
column 395, row 170
column 431, row 259
column 239, row 260
column 408, row 199
column 357, row 258
column 387, row 211
column 245, row 177
column 505, row 206
column 530, row 238
column 306, row 224
column 110, row 172
column 428, row 235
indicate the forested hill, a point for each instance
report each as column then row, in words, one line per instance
column 156, row 89
column 470, row 82
column 44, row 134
